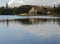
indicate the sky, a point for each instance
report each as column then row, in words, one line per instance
column 13, row 3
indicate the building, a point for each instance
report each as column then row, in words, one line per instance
column 32, row 12
column 6, row 5
column 35, row 9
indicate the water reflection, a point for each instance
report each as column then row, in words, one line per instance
column 30, row 31
column 37, row 21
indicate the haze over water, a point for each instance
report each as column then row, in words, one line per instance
column 23, row 31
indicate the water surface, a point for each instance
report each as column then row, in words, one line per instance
column 30, row 31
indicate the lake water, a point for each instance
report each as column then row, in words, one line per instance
column 30, row 31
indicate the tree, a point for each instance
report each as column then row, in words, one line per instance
column 24, row 8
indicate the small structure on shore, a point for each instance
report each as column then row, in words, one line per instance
column 24, row 14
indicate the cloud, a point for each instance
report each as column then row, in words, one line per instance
column 15, row 3
column 32, row 2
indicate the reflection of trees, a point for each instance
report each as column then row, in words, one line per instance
column 24, row 21
column 58, row 21
column 37, row 21
column 33, row 21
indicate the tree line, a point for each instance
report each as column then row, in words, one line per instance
column 25, row 9
column 15, row 10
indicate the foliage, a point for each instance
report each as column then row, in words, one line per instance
column 26, row 8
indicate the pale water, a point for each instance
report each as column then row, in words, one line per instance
column 23, row 31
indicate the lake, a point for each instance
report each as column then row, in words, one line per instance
column 28, row 30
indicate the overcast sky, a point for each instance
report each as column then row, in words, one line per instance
column 13, row 3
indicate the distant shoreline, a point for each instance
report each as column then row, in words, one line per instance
column 57, row 15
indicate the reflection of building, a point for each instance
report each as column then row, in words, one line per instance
column 33, row 20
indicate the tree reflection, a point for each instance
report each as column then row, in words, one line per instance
column 37, row 21
column 58, row 21
column 32, row 21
